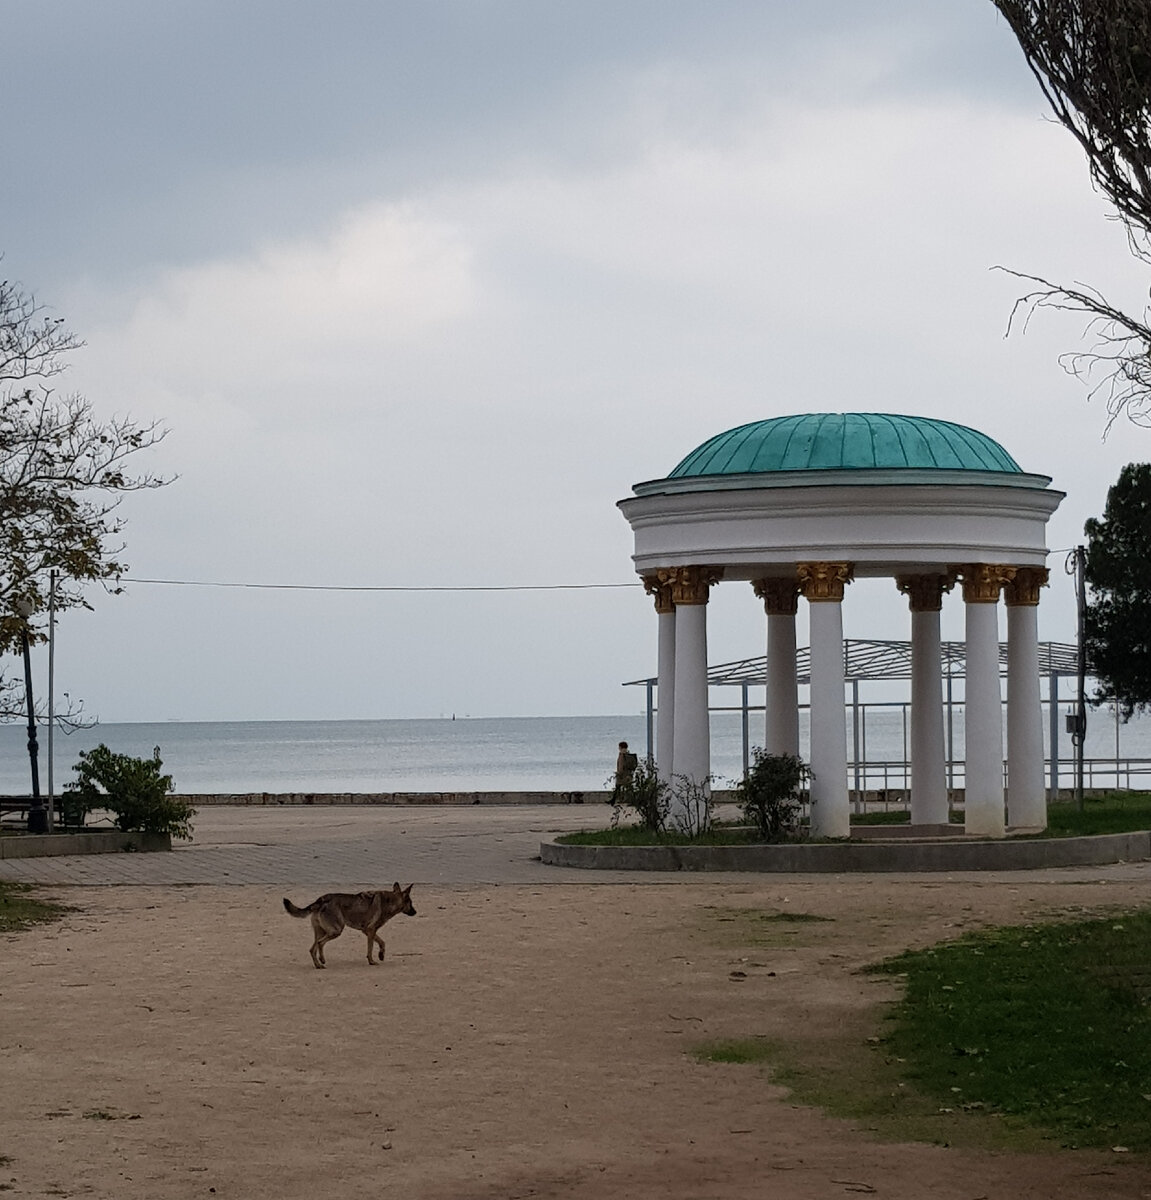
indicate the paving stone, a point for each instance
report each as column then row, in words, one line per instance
column 335, row 848
column 354, row 848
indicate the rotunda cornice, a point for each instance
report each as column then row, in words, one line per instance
column 854, row 477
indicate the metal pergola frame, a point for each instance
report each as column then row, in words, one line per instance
column 872, row 660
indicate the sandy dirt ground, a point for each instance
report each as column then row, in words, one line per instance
column 519, row 1041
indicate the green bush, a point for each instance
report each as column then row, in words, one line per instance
column 770, row 793
column 646, row 794
column 132, row 789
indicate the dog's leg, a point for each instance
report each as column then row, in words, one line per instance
column 322, row 939
column 372, row 939
column 380, row 943
column 325, row 932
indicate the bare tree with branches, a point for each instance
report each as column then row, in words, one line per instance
column 63, row 473
column 1092, row 60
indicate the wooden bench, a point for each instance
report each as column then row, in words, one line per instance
column 18, row 806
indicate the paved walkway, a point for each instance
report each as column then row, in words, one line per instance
column 350, row 848
column 337, row 847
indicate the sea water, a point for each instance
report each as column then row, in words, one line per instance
column 485, row 754
column 474, row 754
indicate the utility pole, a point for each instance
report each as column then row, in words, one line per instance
column 1077, row 566
column 51, row 693
column 37, row 817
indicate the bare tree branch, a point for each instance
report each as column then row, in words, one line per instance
column 1117, row 366
column 31, row 342
column 68, row 715
column 1092, row 60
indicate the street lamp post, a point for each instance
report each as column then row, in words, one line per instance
column 37, row 814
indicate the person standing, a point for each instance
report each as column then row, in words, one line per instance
column 625, row 765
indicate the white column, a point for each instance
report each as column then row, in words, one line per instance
column 983, row 711
column 928, row 754
column 1026, row 801
column 822, row 585
column 691, row 735
column 928, row 759
column 780, row 598
column 658, row 586
column 781, row 725
column 665, row 712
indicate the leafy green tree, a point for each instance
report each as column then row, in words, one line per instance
column 1092, row 60
column 63, row 472
column 1118, row 573
column 132, row 789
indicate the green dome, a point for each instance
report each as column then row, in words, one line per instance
column 846, row 442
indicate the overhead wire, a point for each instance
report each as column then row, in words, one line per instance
column 335, row 587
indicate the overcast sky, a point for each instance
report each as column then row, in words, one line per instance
column 421, row 290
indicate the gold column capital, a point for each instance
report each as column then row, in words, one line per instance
column 1023, row 590
column 689, row 585
column 925, row 592
column 982, row 582
column 780, row 595
column 660, row 591
column 824, row 581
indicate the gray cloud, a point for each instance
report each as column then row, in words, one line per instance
column 157, row 133
column 423, row 289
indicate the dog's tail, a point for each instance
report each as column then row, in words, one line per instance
column 293, row 911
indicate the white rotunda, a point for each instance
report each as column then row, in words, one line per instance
column 798, row 507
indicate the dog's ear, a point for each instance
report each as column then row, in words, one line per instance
column 396, row 886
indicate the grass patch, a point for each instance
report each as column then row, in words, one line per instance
column 1048, row 1025
column 19, row 911
column 735, row 1050
column 634, row 835
column 759, row 928
column 755, row 916
column 1119, row 812
column 895, row 816
column 853, row 1077
column 793, row 917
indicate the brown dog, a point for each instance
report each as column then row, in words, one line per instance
column 366, row 911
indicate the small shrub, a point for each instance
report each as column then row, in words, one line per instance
column 646, row 794
column 769, row 793
column 132, row 789
column 691, row 805
column 680, row 806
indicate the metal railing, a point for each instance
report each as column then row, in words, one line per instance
column 878, row 746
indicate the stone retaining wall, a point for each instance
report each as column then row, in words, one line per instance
column 103, row 841
column 398, row 798
column 950, row 854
